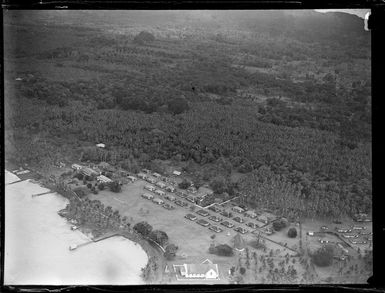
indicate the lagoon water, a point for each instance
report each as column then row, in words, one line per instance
column 37, row 241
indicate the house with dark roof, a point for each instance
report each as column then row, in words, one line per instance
column 203, row 271
column 88, row 172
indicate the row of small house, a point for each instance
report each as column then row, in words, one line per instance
column 194, row 198
column 160, row 184
column 251, row 214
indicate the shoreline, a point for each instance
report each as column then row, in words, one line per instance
column 151, row 251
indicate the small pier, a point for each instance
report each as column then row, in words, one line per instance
column 38, row 194
column 14, row 182
column 74, row 246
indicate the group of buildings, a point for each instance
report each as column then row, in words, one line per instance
column 91, row 173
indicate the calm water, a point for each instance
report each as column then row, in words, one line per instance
column 37, row 241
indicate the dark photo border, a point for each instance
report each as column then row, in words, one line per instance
column 376, row 24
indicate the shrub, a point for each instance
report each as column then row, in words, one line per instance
column 144, row 37
column 159, row 237
column 323, row 257
column 242, row 270
column 101, row 186
column 218, row 184
column 143, row 228
column 223, row 250
column 292, row 233
column 170, row 252
column 115, row 186
column 279, row 225
column 184, row 184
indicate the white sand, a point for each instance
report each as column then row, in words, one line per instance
column 37, row 241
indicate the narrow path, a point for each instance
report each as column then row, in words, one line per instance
column 279, row 244
column 118, row 200
column 339, row 237
column 38, row 194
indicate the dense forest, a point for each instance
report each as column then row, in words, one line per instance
column 262, row 97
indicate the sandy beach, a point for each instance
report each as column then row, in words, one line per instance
column 37, row 244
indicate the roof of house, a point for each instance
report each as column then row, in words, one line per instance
column 177, row 172
column 237, row 208
column 105, row 178
column 201, row 268
column 88, row 171
column 239, row 242
column 207, row 261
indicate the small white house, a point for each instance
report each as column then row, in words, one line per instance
column 160, row 192
column 158, row 201
column 142, row 176
column 150, row 188
column 251, row 214
column 238, row 209
column 310, row 233
column 147, row 196
column 151, row 180
column 103, row 179
column 101, row 145
column 76, row 167
column 157, row 175
column 176, row 173
column 132, row 178
column 170, row 197
column 161, row 184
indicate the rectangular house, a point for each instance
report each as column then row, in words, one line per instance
column 132, row 178
column 88, row 172
column 103, row 179
column 160, row 192
column 238, row 209
column 76, row 167
column 150, row 188
column 142, row 176
column 161, row 184
column 251, row 214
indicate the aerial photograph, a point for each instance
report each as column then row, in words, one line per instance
column 187, row 147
